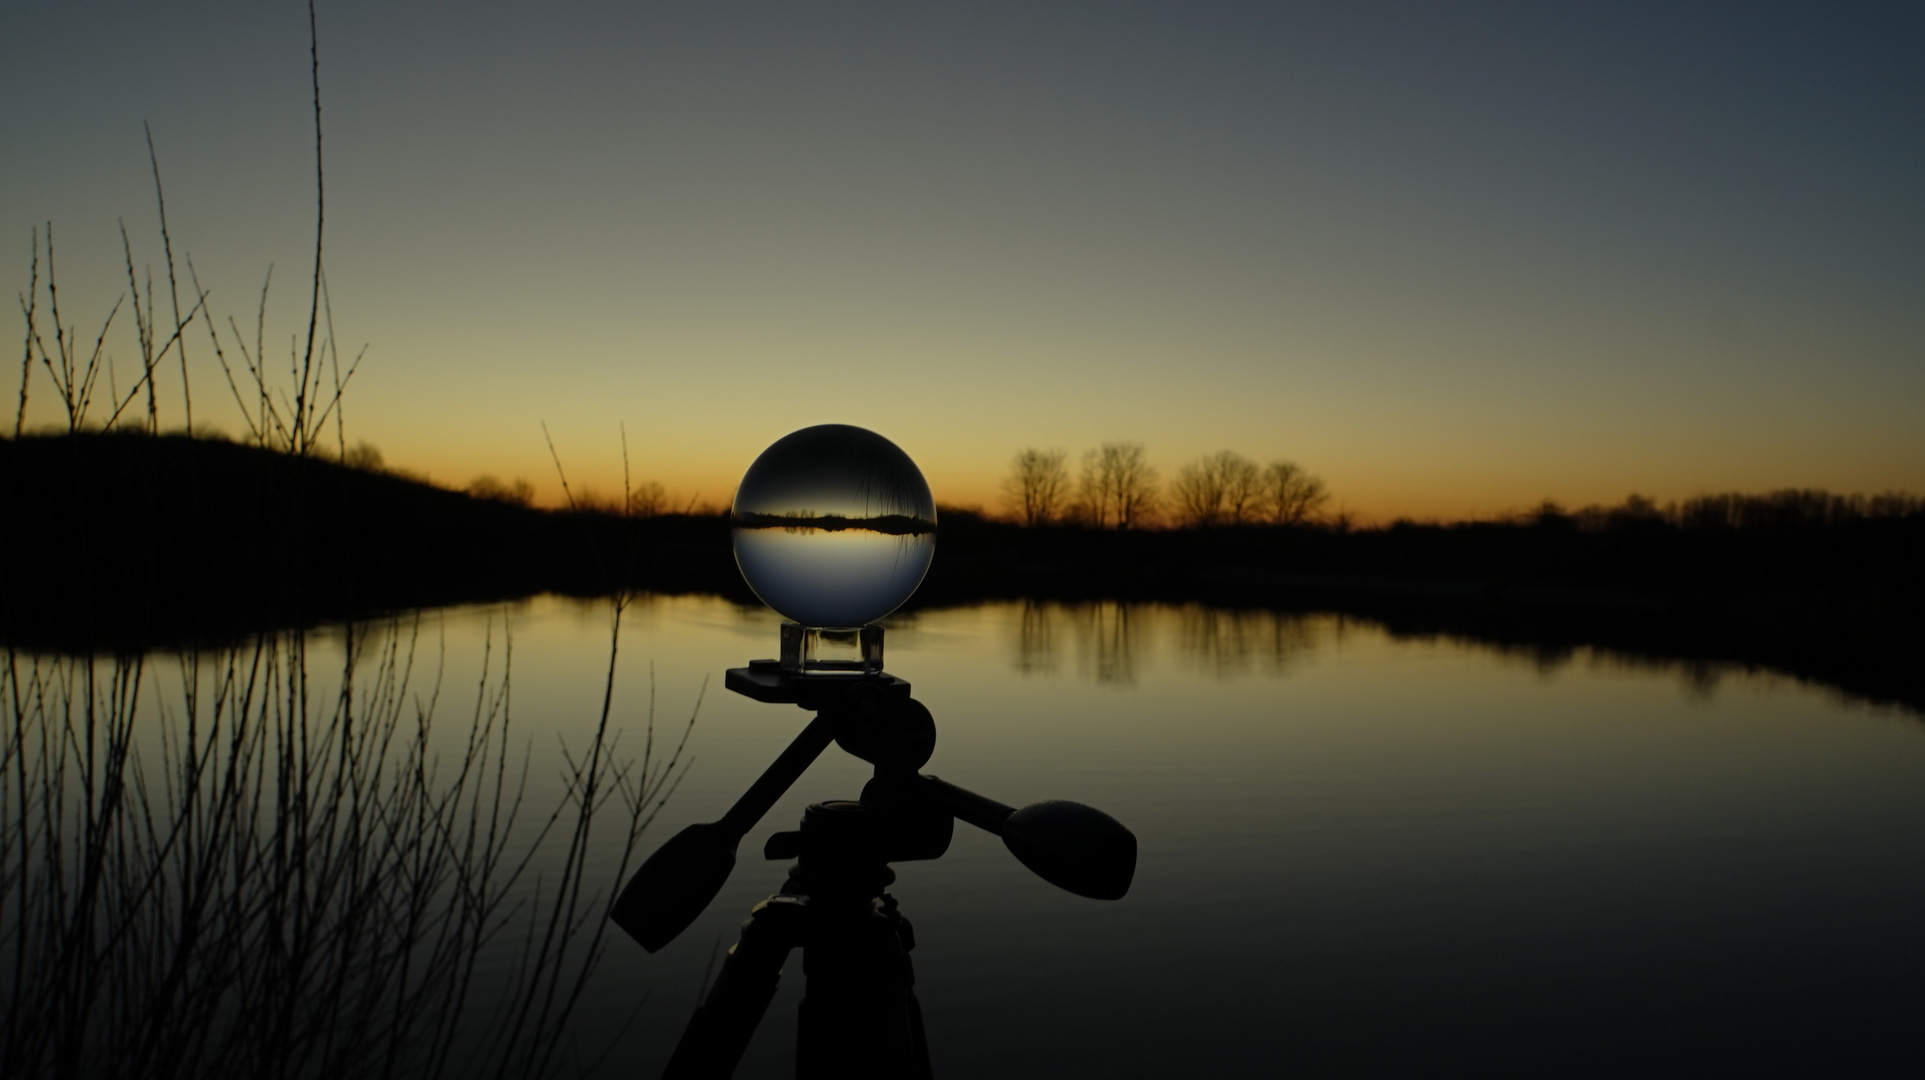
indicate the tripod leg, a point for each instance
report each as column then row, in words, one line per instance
column 860, row 1018
column 919, row 1042
column 918, row 1038
column 719, row 1031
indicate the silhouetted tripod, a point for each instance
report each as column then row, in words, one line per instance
column 859, row 1016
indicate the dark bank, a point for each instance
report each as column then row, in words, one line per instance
column 121, row 542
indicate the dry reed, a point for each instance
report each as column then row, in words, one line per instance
column 276, row 877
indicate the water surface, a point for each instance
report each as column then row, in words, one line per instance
column 1359, row 854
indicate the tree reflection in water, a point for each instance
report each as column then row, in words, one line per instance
column 1227, row 643
column 1036, row 639
column 1106, row 640
column 1103, row 635
column 1114, row 642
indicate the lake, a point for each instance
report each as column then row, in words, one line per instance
column 1359, row 854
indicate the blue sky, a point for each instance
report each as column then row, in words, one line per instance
column 1453, row 258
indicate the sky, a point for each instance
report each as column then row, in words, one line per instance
column 1454, row 259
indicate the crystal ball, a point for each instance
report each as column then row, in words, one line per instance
column 833, row 526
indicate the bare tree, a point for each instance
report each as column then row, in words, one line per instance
column 1038, row 484
column 363, row 455
column 1292, row 495
column 1092, row 501
column 518, row 493
column 647, row 500
column 1220, row 488
column 1242, row 487
column 1198, row 493
column 1118, row 488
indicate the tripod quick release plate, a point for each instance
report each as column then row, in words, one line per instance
column 764, row 680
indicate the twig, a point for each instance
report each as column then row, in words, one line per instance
column 28, row 308
column 566, row 492
column 320, row 222
column 173, row 288
column 214, row 340
column 147, row 375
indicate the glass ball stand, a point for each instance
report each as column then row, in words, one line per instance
column 818, row 665
column 822, row 650
column 834, row 527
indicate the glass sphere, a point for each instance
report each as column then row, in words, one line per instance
column 833, row 526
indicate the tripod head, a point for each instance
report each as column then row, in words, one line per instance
column 905, row 815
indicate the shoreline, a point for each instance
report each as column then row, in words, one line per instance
column 126, row 543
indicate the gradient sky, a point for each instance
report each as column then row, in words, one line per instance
column 1453, row 258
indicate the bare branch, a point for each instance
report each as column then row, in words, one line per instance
column 173, row 288
column 28, row 308
column 320, row 224
column 1038, row 484
column 214, row 340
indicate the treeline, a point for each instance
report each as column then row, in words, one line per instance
column 1788, row 508
column 1117, row 488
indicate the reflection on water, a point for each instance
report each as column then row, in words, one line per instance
column 1360, row 853
column 1231, row 643
column 1106, row 642
column 1699, row 680
column 1102, row 635
column 204, row 846
column 1036, row 634
column 1111, row 640
column 1113, row 643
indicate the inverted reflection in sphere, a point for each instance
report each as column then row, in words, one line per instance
column 833, row 526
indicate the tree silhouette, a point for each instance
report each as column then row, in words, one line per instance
column 1198, row 493
column 1242, row 487
column 1038, row 483
column 518, row 493
column 1291, row 495
column 647, row 500
column 1118, row 488
column 1220, row 488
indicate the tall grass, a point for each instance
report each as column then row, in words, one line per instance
column 270, row 874
column 291, row 416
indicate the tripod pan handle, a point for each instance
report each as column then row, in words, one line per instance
column 784, row 771
column 677, row 882
column 1069, row 845
column 979, row 810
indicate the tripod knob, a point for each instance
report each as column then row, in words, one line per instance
column 890, row 733
column 1073, row 847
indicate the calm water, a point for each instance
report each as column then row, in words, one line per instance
column 1358, row 855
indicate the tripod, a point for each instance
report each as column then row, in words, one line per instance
column 859, row 1015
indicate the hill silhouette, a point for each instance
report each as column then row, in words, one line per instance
column 125, row 541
